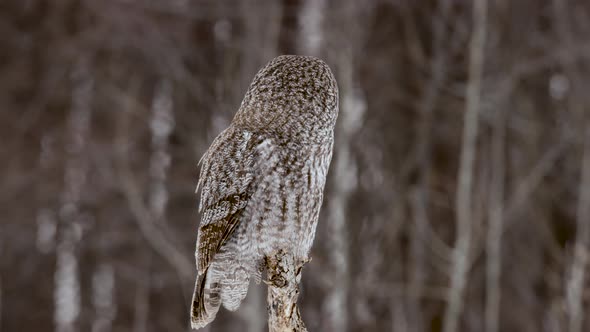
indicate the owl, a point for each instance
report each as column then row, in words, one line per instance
column 262, row 180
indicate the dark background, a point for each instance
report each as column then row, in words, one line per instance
column 107, row 106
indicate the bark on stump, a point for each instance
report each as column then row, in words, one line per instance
column 284, row 276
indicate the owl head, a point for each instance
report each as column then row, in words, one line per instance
column 294, row 96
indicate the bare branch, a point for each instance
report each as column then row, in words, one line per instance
column 143, row 216
column 465, row 176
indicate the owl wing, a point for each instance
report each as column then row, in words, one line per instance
column 226, row 177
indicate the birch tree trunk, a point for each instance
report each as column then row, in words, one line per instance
column 161, row 126
column 103, row 298
column 46, row 218
column 67, row 279
column 344, row 164
column 311, row 20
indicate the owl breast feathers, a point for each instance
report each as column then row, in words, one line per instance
column 262, row 180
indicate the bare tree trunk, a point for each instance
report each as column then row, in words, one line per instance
column 143, row 216
column 552, row 321
column 466, row 170
column 421, row 201
column 1, row 307
column 162, row 124
column 575, row 284
column 142, row 305
column 495, row 222
column 46, row 218
column 344, row 169
column 310, row 22
column 67, row 279
column 574, row 288
column 284, row 276
column 103, row 298
column 288, row 28
column 344, row 165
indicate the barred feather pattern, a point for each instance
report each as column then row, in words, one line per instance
column 262, row 180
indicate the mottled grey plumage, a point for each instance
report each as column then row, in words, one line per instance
column 262, row 180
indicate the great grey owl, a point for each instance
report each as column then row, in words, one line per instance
column 262, row 180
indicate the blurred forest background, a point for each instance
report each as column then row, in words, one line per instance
column 458, row 197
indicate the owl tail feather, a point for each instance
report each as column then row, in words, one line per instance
column 206, row 300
